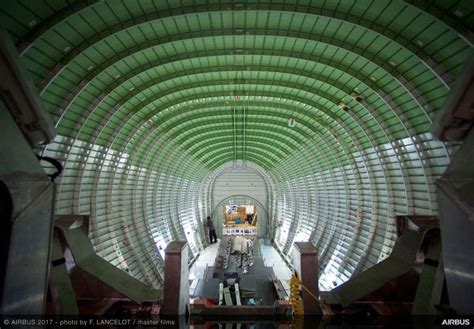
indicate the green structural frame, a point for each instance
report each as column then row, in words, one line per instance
column 330, row 100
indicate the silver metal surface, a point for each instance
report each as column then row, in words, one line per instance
column 398, row 263
column 22, row 100
column 457, row 231
column 456, row 202
column 144, row 207
column 176, row 287
column 75, row 234
column 26, row 272
column 455, row 193
column 430, row 285
column 455, row 120
column 29, row 229
column 62, row 292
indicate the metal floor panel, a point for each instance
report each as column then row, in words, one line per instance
column 259, row 273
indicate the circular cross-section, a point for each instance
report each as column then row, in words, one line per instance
column 333, row 100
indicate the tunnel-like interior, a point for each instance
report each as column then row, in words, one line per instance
column 330, row 103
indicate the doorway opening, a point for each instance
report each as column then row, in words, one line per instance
column 240, row 219
column 241, row 215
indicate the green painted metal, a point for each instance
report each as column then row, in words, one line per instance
column 151, row 97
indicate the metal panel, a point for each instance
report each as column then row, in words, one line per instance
column 21, row 98
column 74, row 231
column 62, row 292
column 456, row 204
column 239, row 183
column 400, row 262
column 151, row 99
column 176, row 287
column 305, row 261
column 30, row 224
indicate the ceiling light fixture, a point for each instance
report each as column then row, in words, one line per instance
column 343, row 106
column 357, row 97
column 291, row 122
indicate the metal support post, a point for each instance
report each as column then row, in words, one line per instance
column 28, row 227
column 62, row 291
column 176, row 287
column 27, row 195
column 430, row 285
column 305, row 261
column 456, row 208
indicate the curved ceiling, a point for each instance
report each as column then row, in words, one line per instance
column 150, row 97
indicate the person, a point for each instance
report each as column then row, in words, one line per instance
column 212, row 230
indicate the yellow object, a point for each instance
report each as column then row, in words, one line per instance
column 295, row 296
column 297, row 303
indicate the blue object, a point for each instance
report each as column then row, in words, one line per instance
column 237, row 220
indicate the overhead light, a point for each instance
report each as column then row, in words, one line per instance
column 458, row 13
column 392, row 63
column 149, row 121
column 291, row 122
column 143, row 99
column 32, row 23
column 357, row 97
column 131, row 88
column 90, row 67
column 117, row 76
column 67, row 49
column 419, row 43
column 373, row 79
column 343, row 106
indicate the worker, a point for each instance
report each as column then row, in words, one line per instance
column 212, row 230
